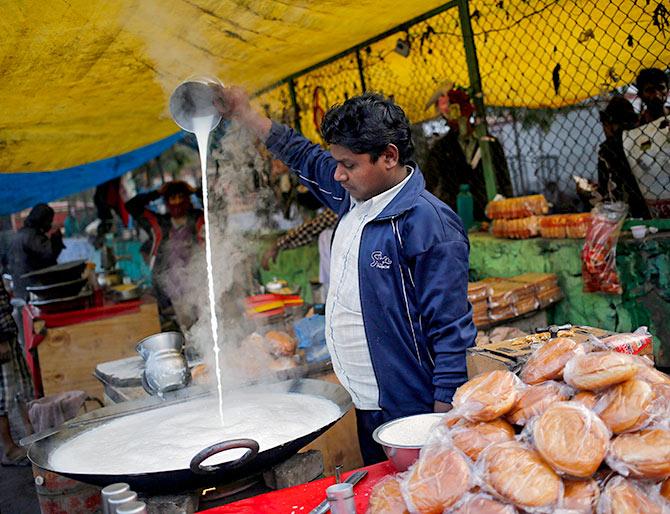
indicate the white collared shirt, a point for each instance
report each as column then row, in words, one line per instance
column 345, row 332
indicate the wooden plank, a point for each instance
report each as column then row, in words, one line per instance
column 339, row 445
column 68, row 355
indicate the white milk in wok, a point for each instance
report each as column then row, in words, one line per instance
column 167, row 439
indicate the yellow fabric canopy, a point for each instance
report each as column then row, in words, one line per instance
column 84, row 80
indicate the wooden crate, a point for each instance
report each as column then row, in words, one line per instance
column 68, row 355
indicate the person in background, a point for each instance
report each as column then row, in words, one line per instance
column 35, row 246
column 15, row 383
column 615, row 178
column 456, row 158
column 173, row 239
column 398, row 320
column 108, row 199
column 321, row 225
column 652, row 88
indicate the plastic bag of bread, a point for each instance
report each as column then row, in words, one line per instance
column 438, row 479
column 665, row 489
column 659, row 409
column 598, row 370
column 624, row 496
column 535, row 399
column 624, row 407
column 644, row 454
column 280, row 343
column 487, row 396
column 580, row 496
column 386, row 498
column 481, row 503
column 571, row 438
column 587, row 398
column 648, row 373
column 548, row 361
column 516, row 473
column 473, row 437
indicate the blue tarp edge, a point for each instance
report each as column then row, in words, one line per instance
column 20, row 191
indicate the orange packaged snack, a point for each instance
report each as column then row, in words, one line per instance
column 517, row 473
column 571, row 438
column 644, row 454
column 386, row 498
column 472, row 438
column 548, row 361
column 598, row 370
column 436, row 481
column 624, row 406
column 534, row 400
column 487, row 396
column 623, row 496
column 580, row 496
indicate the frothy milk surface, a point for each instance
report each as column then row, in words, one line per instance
column 167, row 439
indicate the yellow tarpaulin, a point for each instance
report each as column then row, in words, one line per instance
column 85, row 80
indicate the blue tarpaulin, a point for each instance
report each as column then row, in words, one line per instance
column 20, row 191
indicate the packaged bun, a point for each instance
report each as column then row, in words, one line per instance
column 480, row 503
column 571, row 438
column 586, row 398
column 436, row 481
column 665, row 489
column 487, row 396
column 624, row 406
column 281, row 344
column 473, row 437
column 644, row 454
column 659, row 409
column 580, row 496
column 650, row 374
column 517, row 474
column 548, row 361
column 598, row 370
column 623, row 496
column 535, row 399
column 386, row 498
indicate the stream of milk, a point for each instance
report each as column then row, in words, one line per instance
column 202, row 125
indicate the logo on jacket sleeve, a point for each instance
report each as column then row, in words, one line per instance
column 380, row 260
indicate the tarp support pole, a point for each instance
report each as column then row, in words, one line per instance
column 361, row 74
column 294, row 104
column 481, row 129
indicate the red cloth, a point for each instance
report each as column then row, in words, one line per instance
column 303, row 498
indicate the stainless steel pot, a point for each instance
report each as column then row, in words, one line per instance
column 401, row 456
column 165, row 367
column 197, row 475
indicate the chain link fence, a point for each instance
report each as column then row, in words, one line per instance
column 548, row 69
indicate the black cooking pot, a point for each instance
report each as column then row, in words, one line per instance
column 58, row 274
column 55, row 291
column 197, row 475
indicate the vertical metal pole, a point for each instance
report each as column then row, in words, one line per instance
column 481, row 129
column 361, row 75
column 294, row 103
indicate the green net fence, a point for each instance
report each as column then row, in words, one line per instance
column 548, row 68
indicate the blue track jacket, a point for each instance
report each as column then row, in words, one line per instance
column 413, row 279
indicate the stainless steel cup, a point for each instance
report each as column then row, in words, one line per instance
column 120, row 499
column 135, row 507
column 194, row 98
column 341, row 499
column 112, row 490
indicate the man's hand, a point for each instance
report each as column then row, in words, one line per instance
column 269, row 255
column 233, row 102
column 441, row 407
column 5, row 352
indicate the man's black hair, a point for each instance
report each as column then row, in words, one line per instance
column 368, row 124
column 650, row 76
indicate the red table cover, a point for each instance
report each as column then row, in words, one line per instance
column 303, row 498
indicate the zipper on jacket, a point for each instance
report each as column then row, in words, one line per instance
column 404, row 293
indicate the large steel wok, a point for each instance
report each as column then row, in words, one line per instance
column 198, row 475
